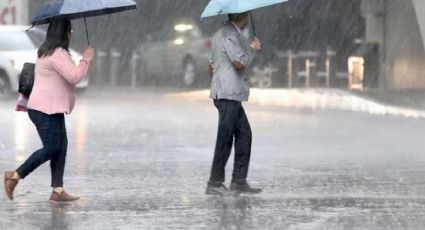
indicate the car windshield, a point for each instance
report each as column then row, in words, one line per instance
column 18, row 41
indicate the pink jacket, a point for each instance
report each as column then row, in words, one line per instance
column 55, row 79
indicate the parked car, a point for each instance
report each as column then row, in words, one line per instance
column 180, row 54
column 19, row 46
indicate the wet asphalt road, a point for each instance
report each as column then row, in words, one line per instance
column 141, row 161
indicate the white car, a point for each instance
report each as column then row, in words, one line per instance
column 181, row 55
column 19, row 46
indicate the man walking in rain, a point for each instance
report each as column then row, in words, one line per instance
column 231, row 55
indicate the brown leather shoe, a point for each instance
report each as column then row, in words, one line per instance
column 9, row 184
column 62, row 197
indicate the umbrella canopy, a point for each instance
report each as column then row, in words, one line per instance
column 74, row 9
column 217, row 7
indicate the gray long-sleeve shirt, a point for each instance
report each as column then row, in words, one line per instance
column 229, row 46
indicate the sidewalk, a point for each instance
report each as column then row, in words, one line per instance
column 323, row 99
column 141, row 160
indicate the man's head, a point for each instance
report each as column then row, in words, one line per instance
column 241, row 19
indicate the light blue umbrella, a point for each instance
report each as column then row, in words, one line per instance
column 217, row 7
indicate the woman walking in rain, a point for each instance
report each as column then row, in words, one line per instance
column 56, row 76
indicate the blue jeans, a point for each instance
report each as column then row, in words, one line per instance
column 233, row 125
column 52, row 132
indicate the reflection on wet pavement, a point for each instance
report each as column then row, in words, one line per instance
column 142, row 163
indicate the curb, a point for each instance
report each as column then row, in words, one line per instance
column 315, row 99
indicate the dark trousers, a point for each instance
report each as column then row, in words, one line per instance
column 52, row 131
column 233, row 124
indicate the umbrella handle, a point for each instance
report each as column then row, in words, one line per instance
column 252, row 23
column 87, row 32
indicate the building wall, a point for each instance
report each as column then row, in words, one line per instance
column 398, row 26
column 405, row 53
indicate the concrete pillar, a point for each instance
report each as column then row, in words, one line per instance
column 307, row 73
column 290, row 68
column 115, row 59
column 135, row 59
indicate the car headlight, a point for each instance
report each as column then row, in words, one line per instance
column 179, row 41
column 19, row 65
column 183, row 27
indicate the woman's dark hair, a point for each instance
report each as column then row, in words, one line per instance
column 57, row 37
column 238, row 17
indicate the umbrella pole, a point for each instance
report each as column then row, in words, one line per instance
column 252, row 23
column 87, row 32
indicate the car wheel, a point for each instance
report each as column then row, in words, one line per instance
column 5, row 89
column 189, row 73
